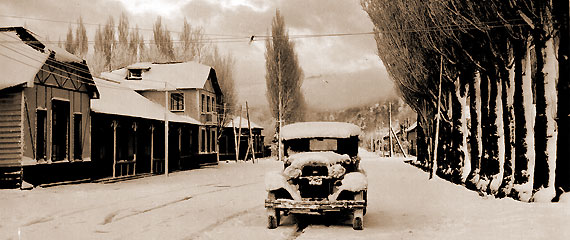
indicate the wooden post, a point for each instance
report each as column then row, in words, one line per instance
column 399, row 144
column 165, row 130
column 235, row 139
column 114, row 124
column 434, row 161
column 179, row 147
column 390, row 126
column 151, row 149
column 136, row 147
column 250, row 132
column 239, row 132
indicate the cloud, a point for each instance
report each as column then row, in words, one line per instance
column 348, row 63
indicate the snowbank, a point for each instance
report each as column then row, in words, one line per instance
column 544, row 195
column 319, row 129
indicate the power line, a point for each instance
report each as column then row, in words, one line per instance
column 227, row 38
column 98, row 24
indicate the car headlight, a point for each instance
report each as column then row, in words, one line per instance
column 336, row 171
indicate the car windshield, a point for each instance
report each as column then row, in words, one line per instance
column 323, row 144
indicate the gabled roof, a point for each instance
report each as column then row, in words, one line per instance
column 235, row 121
column 319, row 129
column 22, row 55
column 118, row 99
column 20, row 62
column 180, row 75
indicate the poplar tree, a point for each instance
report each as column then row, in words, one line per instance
column 284, row 76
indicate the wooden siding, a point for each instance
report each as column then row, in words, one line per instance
column 10, row 127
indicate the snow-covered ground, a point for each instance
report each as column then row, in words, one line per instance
column 226, row 202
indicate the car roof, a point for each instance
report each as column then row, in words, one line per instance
column 319, row 130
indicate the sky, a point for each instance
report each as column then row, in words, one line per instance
column 339, row 72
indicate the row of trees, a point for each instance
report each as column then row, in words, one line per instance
column 119, row 45
column 504, row 61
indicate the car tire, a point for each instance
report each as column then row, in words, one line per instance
column 358, row 219
column 272, row 218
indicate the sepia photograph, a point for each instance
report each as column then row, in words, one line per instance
column 284, row 119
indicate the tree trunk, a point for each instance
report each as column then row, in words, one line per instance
column 497, row 141
column 523, row 109
column 485, row 133
column 541, row 164
column 521, row 160
column 561, row 22
column 475, row 140
column 459, row 134
column 507, row 78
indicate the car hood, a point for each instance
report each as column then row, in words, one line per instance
column 299, row 160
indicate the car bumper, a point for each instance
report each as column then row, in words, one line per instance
column 314, row 207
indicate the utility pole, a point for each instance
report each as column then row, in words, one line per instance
column 434, row 161
column 280, row 114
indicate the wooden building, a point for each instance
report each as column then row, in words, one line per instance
column 229, row 138
column 45, row 97
column 412, row 138
column 128, row 134
column 191, row 90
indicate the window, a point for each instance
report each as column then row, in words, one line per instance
column 208, row 109
column 203, row 142
column 207, row 139
column 177, row 102
column 134, row 74
column 323, row 144
column 203, row 103
column 213, row 140
column 59, row 130
column 213, row 104
column 77, row 141
column 41, row 133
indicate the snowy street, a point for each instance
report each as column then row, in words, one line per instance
column 226, row 202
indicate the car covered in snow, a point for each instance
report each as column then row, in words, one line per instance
column 321, row 173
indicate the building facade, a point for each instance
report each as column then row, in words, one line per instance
column 45, row 95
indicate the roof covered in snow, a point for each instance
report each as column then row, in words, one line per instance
column 22, row 55
column 235, row 121
column 20, row 62
column 121, row 100
column 319, row 129
column 179, row 75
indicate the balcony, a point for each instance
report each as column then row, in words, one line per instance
column 209, row 118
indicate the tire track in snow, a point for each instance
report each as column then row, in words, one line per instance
column 221, row 221
column 111, row 217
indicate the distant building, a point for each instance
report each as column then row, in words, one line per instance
column 192, row 90
column 229, row 137
column 45, row 95
column 412, row 138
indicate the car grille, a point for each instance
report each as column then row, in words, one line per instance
column 321, row 191
column 315, row 171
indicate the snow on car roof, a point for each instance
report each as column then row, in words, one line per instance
column 329, row 158
column 319, row 129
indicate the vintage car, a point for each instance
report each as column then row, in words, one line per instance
column 321, row 173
